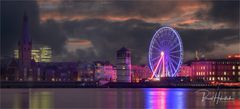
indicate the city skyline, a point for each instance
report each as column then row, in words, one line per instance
column 110, row 54
column 96, row 30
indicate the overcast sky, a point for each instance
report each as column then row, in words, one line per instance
column 96, row 29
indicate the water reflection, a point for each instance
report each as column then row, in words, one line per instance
column 110, row 98
column 27, row 100
column 164, row 98
column 40, row 100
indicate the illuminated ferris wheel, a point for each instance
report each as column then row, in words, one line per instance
column 165, row 53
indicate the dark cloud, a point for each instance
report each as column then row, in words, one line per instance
column 51, row 34
column 106, row 36
column 225, row 11
column 205, row 39
column 118, row 8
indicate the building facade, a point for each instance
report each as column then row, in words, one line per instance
column 140, row 73
column 217, row 70
column 123, row 65
column 105, row 71
column 185, row 71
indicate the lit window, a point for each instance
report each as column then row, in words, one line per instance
column 233, row 73
column 233, row 67
column 213, row 73
column 221, row 78
column 210, row 79
column 210, row 73
column 239, row 67
column 213, row 78
column 225, row 73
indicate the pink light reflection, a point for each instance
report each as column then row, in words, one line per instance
column 154, row 71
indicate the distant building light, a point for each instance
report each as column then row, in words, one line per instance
column 233, row 73
column 53, row 79
column 233, row 67
column 43, row 54
column 234, row 56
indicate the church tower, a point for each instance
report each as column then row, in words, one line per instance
column 25, row 48
column 25, row 45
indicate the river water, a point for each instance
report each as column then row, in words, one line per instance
column 123, row 98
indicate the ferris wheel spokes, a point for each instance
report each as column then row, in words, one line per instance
column 165, row 53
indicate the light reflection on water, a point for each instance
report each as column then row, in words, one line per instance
column 110, row 98
column 165, row 98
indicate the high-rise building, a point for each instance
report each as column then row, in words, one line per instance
column 123, row 65
column 43, row 54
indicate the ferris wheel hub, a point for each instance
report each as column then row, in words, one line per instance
column 162, row 53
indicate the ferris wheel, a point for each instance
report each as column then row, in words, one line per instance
column 165, row 53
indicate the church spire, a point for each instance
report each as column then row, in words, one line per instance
column 25, row 45
column 25, row 37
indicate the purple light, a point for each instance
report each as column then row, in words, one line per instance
column 165, row 53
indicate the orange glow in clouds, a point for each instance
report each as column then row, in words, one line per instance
column 74, row 44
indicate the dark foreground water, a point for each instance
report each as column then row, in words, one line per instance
column 110, row 98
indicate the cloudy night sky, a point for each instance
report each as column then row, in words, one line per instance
column 95, row 29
